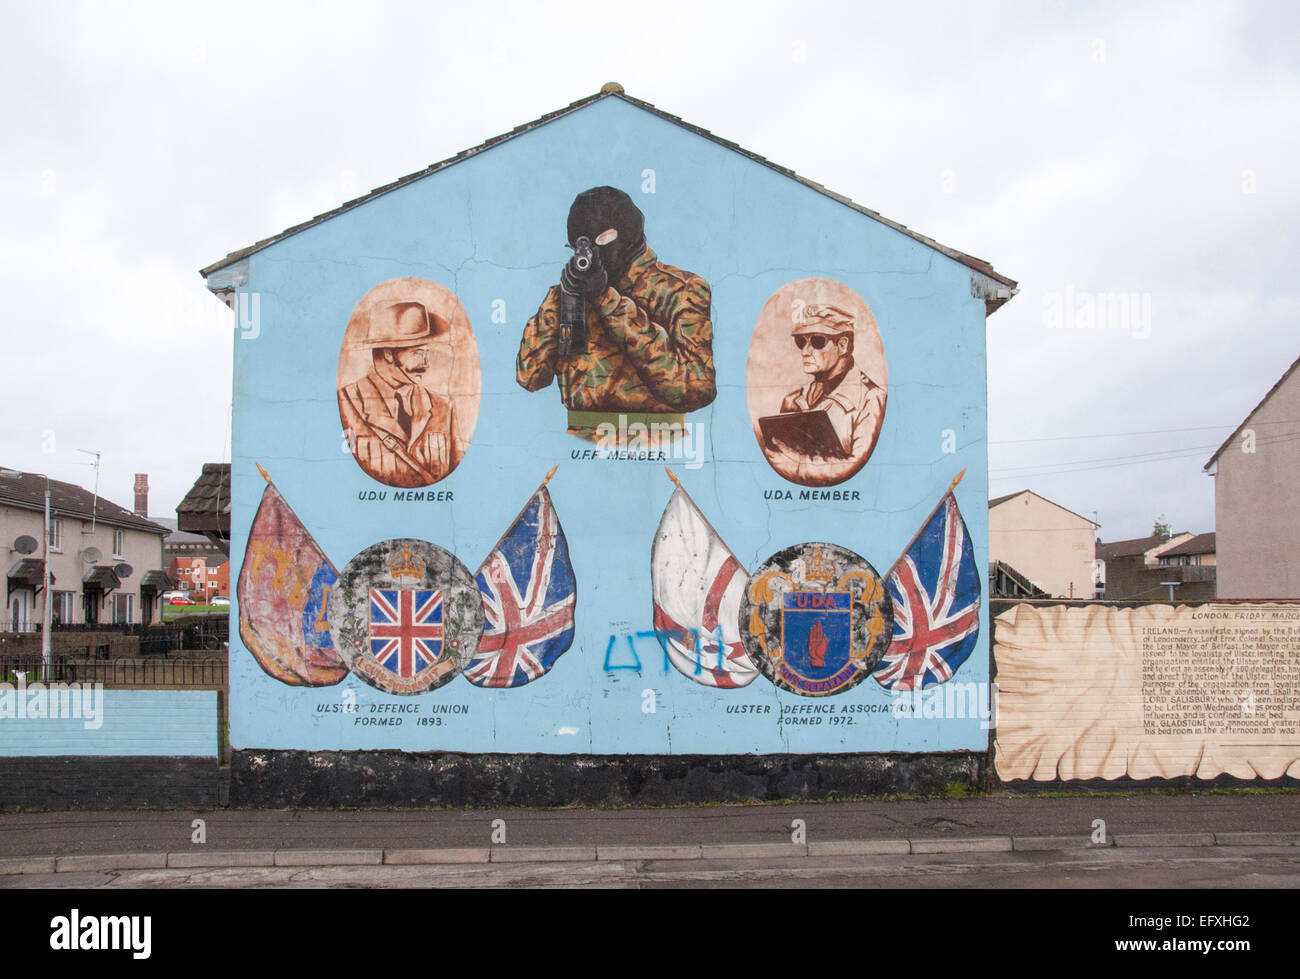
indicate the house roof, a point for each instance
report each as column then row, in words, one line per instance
column 1200, row 544
column 66, row 499
column 614, row 90
column 1236, row 431
column 998, row 500
column 1134, row 546
column 206, row 507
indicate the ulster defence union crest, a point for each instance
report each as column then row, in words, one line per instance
column 408, row 616
column 816, row 619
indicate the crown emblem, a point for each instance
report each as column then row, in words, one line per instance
column 819, row 569
column 406, row 565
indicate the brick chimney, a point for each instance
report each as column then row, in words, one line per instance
column 142, row 494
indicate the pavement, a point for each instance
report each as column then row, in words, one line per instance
column 274, row 845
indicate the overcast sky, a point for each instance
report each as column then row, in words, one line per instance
column 1147, row 155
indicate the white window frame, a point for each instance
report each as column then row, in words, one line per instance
column 56, row 535
column 119, row 543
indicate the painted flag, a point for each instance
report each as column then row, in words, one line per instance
column 529, row 594
column 283, row 590
column 698, row 585
column 935, row 588
column 405, row 629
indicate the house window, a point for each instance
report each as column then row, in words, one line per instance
column 56, row 534
column 123, row 608
column 119, row 543
column 62, row 608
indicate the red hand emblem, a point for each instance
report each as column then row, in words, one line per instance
column 817, row 645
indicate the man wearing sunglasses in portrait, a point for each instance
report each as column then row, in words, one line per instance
column 853, row 403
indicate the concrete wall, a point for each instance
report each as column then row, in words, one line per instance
column 1257, row 502
column 106, row 722
column 1051, row 546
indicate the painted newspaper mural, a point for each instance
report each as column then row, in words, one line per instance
column 675, row 508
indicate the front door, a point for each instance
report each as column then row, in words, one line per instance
column 20, row 611
column 90, row 604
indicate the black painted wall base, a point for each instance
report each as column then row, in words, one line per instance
column 283, row 779
column 111, row 782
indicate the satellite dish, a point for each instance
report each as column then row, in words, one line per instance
column 91, row 555
column 25, row 544
column 122, row 570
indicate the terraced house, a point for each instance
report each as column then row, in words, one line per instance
column 105, row 561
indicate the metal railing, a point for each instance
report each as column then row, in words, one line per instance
column 121, row 673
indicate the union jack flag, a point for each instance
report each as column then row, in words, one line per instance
column 529, row 593
column 405, row 629
column 936, row 592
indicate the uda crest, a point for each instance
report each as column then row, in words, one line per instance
column 816, row 618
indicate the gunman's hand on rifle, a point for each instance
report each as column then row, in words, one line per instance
column 584, row 275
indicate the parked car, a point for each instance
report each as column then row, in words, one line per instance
column 220, row 600
column 180, row 600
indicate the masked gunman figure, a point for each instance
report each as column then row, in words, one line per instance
column 401, row 433
column 622, row 332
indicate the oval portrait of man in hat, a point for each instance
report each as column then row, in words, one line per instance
column 816, row 382
column 409, row 382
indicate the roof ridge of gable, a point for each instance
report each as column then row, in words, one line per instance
column 611, row 90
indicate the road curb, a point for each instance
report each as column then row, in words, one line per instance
column 413, row 858
column 964, row 844
column 1035, row 843
column 216, row 859
column 1164, row 839
column 653, row 851
column 543, row 854
column 90, row 862
column 328, row 858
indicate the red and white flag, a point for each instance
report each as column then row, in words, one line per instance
column 698, row 585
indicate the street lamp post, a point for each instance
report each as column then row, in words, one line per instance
column 45, row 615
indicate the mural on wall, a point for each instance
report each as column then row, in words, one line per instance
column 816, row 382
column 405, row 615
column 697, row 584
column 815, row 619
column 529, row 595
column 808, row 543
column 282, row 590
column 935, row 587
column 408, row 382
column 622, row 332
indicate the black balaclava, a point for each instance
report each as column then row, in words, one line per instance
column 599, row 209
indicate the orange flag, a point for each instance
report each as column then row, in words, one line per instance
column 284, row 588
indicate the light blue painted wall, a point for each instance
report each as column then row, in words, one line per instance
column 132, row 722
column 493, row 228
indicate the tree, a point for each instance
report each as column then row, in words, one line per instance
column 1161, row 527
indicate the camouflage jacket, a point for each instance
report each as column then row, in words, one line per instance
column 649, row 345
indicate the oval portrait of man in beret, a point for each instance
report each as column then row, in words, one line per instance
column 409, row 382
column 816, row 383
